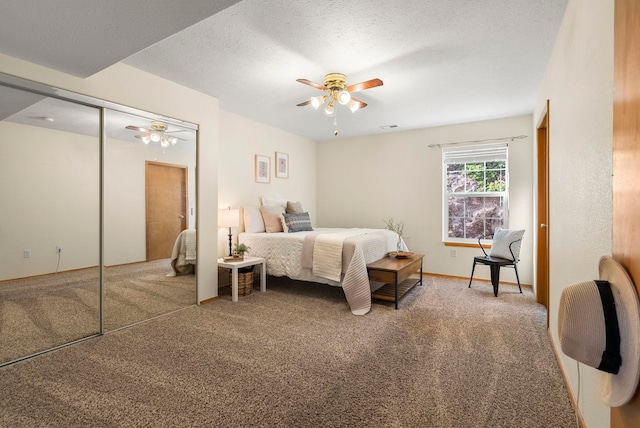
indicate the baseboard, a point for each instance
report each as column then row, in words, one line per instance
column 205, row 301
column 567, row 384
column 442, row 275
column 40, row 275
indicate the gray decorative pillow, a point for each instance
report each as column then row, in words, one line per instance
column 296, row 222
column 502, row 238
column 294, row 208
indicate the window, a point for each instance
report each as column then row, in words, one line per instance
column 476, row 185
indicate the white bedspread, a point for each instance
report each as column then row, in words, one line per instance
column 284, row 254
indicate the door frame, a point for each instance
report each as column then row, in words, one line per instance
column 542, row 207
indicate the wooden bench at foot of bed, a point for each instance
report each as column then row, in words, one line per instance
column 395, row 272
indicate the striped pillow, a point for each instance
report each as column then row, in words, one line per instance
column 296, row 222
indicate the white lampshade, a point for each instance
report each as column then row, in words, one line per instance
column 229, row 218
column 344, row 97
column 318, row 101
column 353, row 106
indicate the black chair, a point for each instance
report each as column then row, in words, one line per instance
column 503, row 240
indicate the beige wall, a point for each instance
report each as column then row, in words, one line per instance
column 240, row 140
column 129, row 86
column 48, row 200
column 362, row 181
column 579, row 86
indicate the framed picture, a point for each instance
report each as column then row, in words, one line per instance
column 263, row 169
column 282, row 165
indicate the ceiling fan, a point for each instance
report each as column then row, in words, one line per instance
column 335, row 85
column 157, row 134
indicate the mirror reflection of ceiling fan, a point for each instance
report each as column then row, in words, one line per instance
column 157, row 134
column 335, row 85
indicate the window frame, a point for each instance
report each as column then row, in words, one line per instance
column 473, row 154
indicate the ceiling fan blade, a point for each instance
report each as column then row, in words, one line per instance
column 312, row 84
column 137, row 128
column 361, row 104
column 304, row 103
column 364, row 85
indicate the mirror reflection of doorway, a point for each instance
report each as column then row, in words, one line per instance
column 166, row 195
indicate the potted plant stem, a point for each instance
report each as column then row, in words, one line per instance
column 398, row 228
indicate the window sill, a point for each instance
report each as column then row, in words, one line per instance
column 465, row 244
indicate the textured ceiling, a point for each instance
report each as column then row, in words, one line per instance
column 442, row 61
column 82, row 37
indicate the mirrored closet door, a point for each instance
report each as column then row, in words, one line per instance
column 49, row 222
column 149, row 218
column 97, row 226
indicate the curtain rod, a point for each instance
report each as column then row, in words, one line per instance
column 517, row 137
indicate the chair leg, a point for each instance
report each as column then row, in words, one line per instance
column 472, row 269
column 495, row 278
column 515, row 266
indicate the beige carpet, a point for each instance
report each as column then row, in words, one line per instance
column 295, row 356
column 47, row 311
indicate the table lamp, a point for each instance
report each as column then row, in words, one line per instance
column 229, row 218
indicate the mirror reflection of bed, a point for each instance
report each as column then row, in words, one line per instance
column 183, row 255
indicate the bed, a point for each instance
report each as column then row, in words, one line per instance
column 183, row 256
column 331, row 256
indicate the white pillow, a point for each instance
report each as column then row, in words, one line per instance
column 272, row 220
column 253, row 222
column 273, row 202
column 501, row 240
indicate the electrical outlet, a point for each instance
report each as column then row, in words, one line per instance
column 454, row 253
column 58, row 248
column 27, row 254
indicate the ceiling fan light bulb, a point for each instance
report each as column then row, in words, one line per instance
column 145, row 139
column 155, row 137
column 344, row 97
column 328, row 110
column 173, row 141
